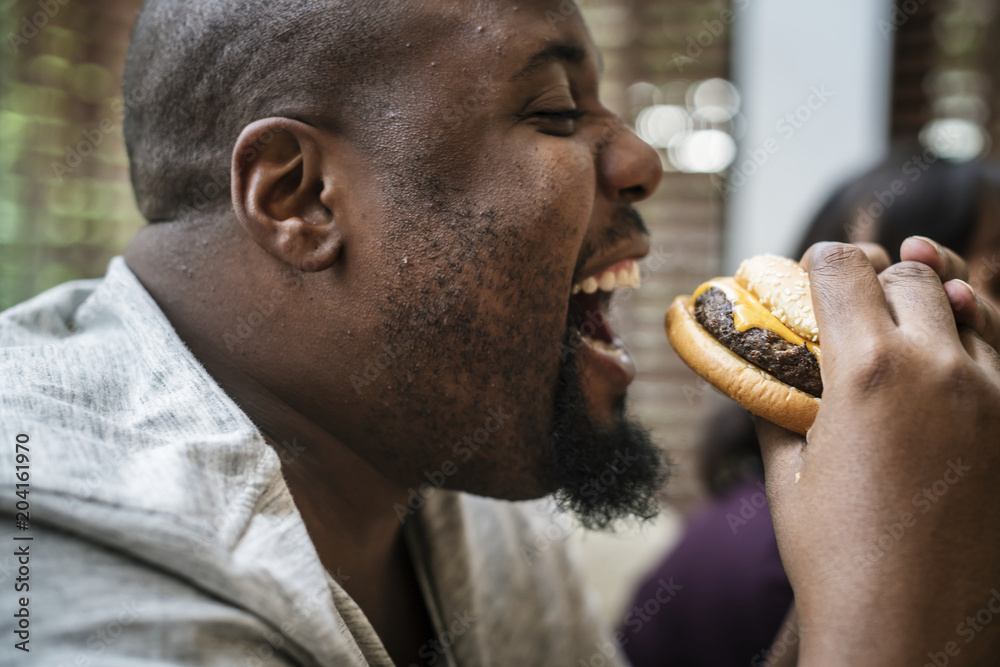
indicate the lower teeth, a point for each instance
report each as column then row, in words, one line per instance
column 604, row 346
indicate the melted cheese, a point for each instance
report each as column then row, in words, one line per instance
column 748, row 313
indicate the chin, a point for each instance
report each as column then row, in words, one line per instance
column 602, row 466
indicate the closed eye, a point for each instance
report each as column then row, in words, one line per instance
column 559, row 123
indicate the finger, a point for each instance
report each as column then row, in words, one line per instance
column 948, row 264
column 847, row 297
column 973, row 312
column 877, row 255
column 980, row 351
column 918, row 300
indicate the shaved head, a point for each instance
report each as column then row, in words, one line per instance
column 198, row 72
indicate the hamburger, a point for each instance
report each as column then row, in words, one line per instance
column 754, row 337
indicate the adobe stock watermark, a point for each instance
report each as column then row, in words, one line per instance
column 218, row 183
column 595, row 488
column 394, row 350
column 968, row 630
column 989, row 269
column 558, row 527
column 305, row 606
column 106, row 636
column 901, row 13
column 566, row 9
column 205, row 543
column 93, row 137
column 29, row 29
column 561, row 523
column 786, row 127
column 251, row 321
column 749, row 509
column 610, row 652
column 456, row 115
column 788, row 636
column 463, row 449
column 640, row 614
column 436, row 649
column 862, row 226
column 692, row 393
column 924, row 501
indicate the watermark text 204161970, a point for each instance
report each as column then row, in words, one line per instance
column 22, row 542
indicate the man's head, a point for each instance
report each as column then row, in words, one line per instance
column 415, row 190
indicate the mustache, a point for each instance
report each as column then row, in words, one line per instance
column 625, row 222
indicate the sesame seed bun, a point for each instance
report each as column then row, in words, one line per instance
column 753, row 388
column 781, row 286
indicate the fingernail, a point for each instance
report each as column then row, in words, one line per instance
column 972, row 292
column 934, row 244
column 967, row 285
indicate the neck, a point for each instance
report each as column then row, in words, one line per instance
column 347, row 504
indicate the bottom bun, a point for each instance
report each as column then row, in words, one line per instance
column 755, row 389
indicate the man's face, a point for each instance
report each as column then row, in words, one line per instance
column 497, row 182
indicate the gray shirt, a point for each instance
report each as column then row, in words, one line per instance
column 162, row 532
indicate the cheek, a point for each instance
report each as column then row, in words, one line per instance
column 552, row 208
column 551, row 198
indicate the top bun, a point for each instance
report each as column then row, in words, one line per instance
column 782, row 287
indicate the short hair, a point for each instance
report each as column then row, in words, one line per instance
column 199, row 71
column 912, row 191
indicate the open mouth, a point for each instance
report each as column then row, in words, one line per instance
column 600, row 350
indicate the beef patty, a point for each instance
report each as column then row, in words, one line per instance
column 793, row 364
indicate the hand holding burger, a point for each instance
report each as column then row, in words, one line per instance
column 911, row 392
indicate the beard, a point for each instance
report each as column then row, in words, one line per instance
column 602, row 474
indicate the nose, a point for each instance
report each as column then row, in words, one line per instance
column 630, row 169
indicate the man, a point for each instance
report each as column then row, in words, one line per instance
column 263, row 438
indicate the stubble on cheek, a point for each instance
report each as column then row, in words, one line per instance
column 475, row 303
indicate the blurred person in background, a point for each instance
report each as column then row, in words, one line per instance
column 728, row 557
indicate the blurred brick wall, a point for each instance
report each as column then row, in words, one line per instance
column 946, row 65
column 669, row 44
column 66, row 205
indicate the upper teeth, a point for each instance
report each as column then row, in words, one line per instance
column 623, row 274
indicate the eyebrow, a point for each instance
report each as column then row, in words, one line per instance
column 558, row 52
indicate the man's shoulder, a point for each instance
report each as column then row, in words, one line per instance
column 116, row 413
column 137, row 462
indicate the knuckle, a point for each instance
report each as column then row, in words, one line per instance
column 876, row 366
column 831, row 252
column 875, row 252
column 953, row 369
column 828, row 258
column 904, row 272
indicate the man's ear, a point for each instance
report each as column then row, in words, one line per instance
column 285, row 194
